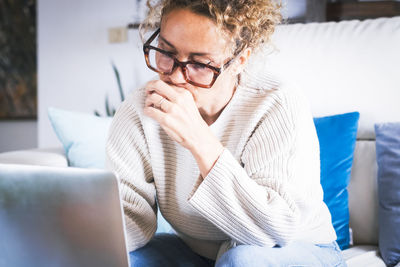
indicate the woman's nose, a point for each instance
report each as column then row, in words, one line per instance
column 177, row 76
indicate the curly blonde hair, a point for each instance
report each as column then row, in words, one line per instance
column 247, row 23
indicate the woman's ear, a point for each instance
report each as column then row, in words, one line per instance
column 242, row 61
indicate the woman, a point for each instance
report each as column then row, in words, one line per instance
column 231, row 158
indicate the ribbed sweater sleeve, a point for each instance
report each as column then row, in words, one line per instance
column 255, row 202
column 128, row 157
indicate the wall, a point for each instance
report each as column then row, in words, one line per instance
column 16, row 135
column 74, row 57
column 296, row 10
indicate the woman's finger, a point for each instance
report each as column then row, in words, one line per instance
column 153, row 99
column 169, row 125
column 163, row 89
column 162, row 118
column 165, row 105
column 154, row 113
column 158, row 101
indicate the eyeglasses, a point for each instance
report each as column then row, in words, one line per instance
column 165, row 63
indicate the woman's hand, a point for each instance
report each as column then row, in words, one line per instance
column 175, row 110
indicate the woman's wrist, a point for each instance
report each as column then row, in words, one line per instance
column 207, row 154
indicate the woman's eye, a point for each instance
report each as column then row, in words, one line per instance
column 169, row 54
column 198, row 66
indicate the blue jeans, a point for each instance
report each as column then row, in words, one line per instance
column 167, row 250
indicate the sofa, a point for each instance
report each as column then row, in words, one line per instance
column 341, row 67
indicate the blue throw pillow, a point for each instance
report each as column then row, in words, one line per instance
column 388, row 158
column 82, row 135
column 337, row 138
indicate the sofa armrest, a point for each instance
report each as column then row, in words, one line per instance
column 43, row 156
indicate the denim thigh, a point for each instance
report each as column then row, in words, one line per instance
column 296, row 254
column 167, row 250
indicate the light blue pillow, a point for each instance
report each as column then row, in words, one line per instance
column 84, row 138
column 82, row 135
column 388, row 158
column 337, row 138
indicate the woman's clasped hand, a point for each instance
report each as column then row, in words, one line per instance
column 174, row 108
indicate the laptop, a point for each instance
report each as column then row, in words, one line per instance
column 60, row 217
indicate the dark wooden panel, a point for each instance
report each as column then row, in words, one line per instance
column 361, row 10
column 18, row 60
column 133, row 26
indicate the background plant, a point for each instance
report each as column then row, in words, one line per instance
column 110, row 111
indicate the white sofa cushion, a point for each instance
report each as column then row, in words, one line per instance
column 342, row 67
column 363, row 195
column 365, row 256
column 363, row 206
column 44, row 157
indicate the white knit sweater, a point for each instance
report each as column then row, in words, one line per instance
column 263, row 190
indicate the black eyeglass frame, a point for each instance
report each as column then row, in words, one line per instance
column 182, row 65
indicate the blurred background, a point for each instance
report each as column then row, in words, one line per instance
column 61, row 53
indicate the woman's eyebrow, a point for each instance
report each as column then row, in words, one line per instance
column 191, row 54
column 165, row 41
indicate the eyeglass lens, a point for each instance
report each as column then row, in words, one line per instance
column 196, row 73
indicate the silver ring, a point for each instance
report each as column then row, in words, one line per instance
column 160, row 102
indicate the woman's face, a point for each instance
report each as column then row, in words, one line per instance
column 194, row 37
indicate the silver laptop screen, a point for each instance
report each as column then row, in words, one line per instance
column 60, row 217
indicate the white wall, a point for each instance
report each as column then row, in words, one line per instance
column 16, row 135
column 74, row 57
column 295, row 9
